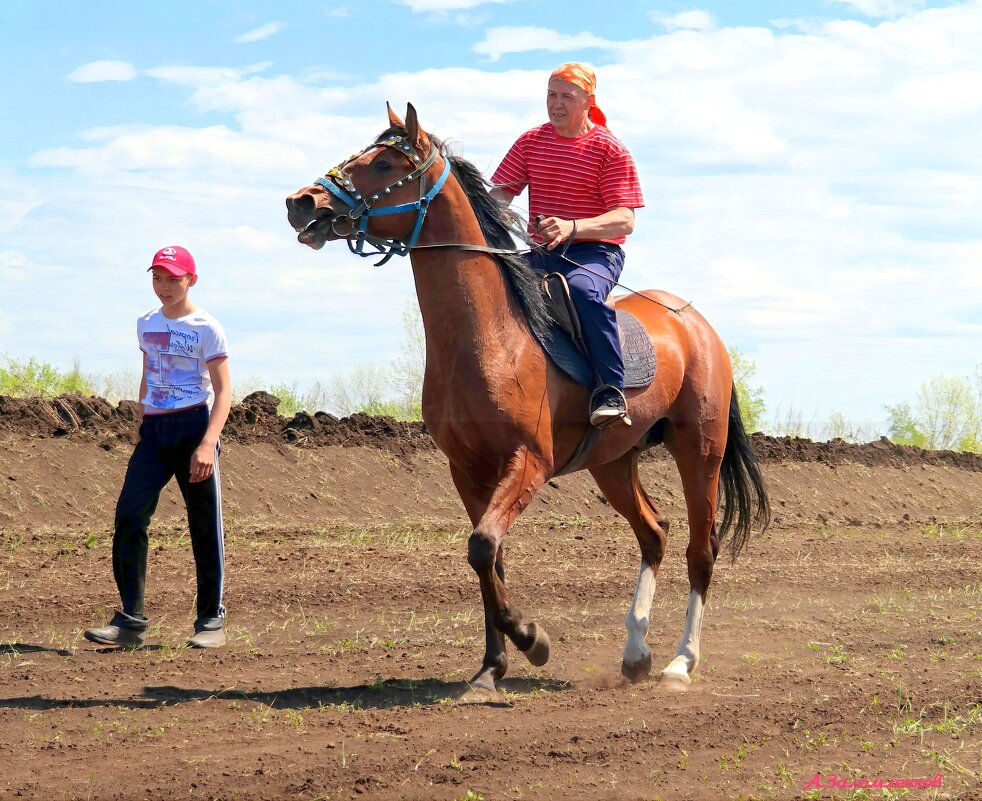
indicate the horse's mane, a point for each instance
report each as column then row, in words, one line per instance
column 522, row 279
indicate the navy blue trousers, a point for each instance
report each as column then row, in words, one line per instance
column 167, row 442
column 589, row 288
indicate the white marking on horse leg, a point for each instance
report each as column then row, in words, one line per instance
column 636, row 650
column 687, row 655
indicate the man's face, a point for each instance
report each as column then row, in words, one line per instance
column 568, row 106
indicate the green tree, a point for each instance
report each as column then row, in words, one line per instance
column 122, row 384
column 408, row 368
column 33, row 378
column 946, row 414
column 364, row 389
column 750, row 398
column 397, row 392
column 369, row 388
column 292, row 400
column 838, row 427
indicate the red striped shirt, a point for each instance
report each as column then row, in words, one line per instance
column 571, row 178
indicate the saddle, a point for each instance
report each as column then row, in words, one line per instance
column 563, row 340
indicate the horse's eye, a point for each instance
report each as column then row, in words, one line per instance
column 382, row 165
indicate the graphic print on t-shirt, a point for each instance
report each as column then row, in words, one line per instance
column 172, row 376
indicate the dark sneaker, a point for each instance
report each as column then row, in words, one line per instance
column 208, row 638
column 609, row 408
column 111, row 634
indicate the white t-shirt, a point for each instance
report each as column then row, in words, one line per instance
column 178, row 352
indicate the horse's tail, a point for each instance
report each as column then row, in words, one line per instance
column 741, row 484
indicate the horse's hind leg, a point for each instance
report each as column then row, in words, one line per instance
column 620, row 483
column 698, row 455
column 492, row 518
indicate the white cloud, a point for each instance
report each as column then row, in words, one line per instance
column 883, row 8
column 196, row 76
column 337, row 12
column 498, row 42
column 163, row 149
column 260, row 33
column 14, row 266
column 18, row 198
column 424, row 6
column 949, row 93
column 255, row 239
column 692, row 20
column 100, row 71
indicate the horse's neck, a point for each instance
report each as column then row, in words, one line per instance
column 464, row 301
column 463, row 295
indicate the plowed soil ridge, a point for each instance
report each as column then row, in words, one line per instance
column 255, row 420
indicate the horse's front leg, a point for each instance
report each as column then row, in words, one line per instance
column 476, row 498
column 485, row 553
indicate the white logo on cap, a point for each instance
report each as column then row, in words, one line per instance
column 169, row 253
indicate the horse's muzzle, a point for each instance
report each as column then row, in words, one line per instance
column 314, row 225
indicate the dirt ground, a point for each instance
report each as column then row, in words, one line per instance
column 846, row 641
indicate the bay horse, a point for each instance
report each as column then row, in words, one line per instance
column 507, row 418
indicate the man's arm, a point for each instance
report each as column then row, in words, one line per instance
column 609, row 225
column 203, row 458
column 502, row 195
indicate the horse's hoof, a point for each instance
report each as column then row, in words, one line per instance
column 538, row 652
column 674, row 682
column 482, row 695
column 638, row 671
column 676, row 676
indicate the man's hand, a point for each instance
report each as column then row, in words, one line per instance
column 203, row 462
column 554, row 230
column 510, row 218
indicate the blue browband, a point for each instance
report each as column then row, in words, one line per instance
column 339, row 184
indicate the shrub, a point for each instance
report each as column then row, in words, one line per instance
column 946, row 414
column 33, row 378
column 750, row 398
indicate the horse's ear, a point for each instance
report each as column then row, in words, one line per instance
column 413, row 132
column 394, row 120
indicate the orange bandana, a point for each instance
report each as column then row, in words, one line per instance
column 584, row 77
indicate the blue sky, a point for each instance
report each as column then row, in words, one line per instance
column 811, row 169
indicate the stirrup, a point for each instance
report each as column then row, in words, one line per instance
column 608, row 421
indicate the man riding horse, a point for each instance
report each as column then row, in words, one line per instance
column 583, row 190
column 501, row 410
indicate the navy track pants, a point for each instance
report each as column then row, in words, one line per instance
column 591, row 270
column 167, row 442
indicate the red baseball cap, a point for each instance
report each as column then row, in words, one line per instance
column 175, row 259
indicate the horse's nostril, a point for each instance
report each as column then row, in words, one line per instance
column 301, row 203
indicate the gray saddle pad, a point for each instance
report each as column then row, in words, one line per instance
column 638, row 354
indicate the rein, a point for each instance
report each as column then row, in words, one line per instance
column 361, row 209
column 562, row 255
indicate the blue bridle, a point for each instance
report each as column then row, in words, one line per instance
column 340, row 185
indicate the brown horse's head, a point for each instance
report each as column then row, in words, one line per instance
column 386, row 173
